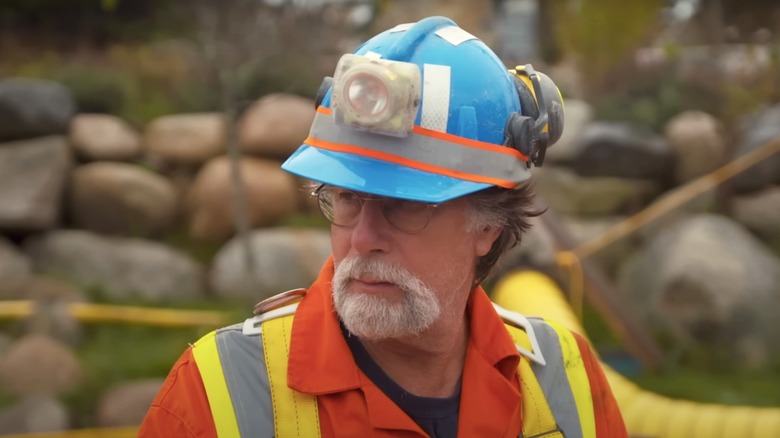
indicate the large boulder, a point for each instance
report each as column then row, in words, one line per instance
column 37, row 364
column 276, row 125
column 119, row 198
column 188, row 139
column 535, row 251
column 284, row 259
column 34, row 108
column 609, row 257
column 104, row 137
column 698, row 143
column 126, row 404
column 52, row 316
column 760, row 212
column 270, row 195
column 32, row 180
column 756, row 130
column 570, row 193
column 579, row 114
column 35, row 414
column 622, row 150
column 120, row 268
column 15, row 269
column 708, row 281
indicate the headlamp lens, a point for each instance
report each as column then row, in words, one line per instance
column 376, row 95
column 367, row 95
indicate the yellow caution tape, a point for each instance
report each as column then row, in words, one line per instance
column 107, row 313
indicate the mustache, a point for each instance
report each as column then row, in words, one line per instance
column 353, row 268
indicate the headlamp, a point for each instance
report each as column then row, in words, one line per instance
column 376, row 95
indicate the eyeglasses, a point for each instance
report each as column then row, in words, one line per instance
column 342, row 208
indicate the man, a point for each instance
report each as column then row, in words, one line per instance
column 420, row 150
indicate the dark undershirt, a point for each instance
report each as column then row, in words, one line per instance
column 438, row 417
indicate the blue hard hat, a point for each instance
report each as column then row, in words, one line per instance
column 458, row 144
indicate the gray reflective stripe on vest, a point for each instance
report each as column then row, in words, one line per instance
column 246, row 376
column 553, row 381
column 428, row 150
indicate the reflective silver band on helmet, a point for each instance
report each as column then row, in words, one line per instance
column 426, row 150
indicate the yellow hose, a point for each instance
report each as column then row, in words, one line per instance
column 646, row 414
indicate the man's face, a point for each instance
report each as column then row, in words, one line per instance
column 391, row 284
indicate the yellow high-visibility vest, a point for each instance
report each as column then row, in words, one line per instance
column 246, row 397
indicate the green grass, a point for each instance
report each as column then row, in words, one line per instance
column 115, row 354
column 111, row 354
column 701, row 383
column 755, row 389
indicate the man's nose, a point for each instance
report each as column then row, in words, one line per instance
column 371, row 232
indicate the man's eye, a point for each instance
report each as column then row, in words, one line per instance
column 410, row 206
column 347, row 197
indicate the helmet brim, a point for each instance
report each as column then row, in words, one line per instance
column 376, row 177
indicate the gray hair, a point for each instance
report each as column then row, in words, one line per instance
column 507, row 209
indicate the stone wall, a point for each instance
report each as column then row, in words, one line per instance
column 87, row 200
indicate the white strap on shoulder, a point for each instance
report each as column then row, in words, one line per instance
column 277, row 306
column 521, row 322
column 252, row 325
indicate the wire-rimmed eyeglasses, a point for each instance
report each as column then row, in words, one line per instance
column 342, row 207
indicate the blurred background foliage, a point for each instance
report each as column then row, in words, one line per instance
column 141, row 59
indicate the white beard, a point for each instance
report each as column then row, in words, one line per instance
column 373, row 317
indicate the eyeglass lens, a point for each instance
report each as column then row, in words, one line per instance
column 342, row 208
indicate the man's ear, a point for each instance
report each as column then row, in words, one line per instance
column 485, row 238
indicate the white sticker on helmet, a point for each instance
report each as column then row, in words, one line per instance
column 455, row 35
column 401, row 27
column 435, row 97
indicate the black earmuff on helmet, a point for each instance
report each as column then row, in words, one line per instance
column 540, row 123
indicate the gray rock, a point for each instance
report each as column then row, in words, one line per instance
column 622, row 150
column 34, row 108
column 52, row 316
column 584, row 230
column 32, row 178
column 757, row 130
column 698, row 144
column 126, row 404
column 104, row 137
column 569, row 193
column 285, row 258
column 5, row 341
column 15, row 269
column 536, row 251
column 579, row 114
column 186, row 138
column 119, row 267
column 123, row 199
column 39, row 365
column 760, row 212
column 270, row 196
column 276, row 125
column 34, row 414
column 706, row 280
